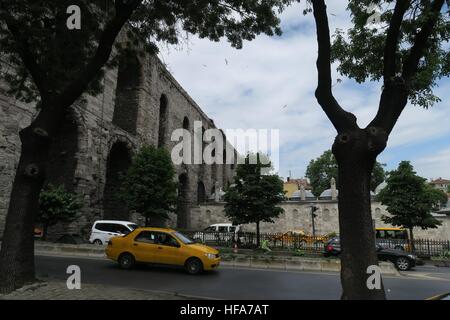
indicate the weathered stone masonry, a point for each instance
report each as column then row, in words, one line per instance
column 297, row 215
column 141, row 104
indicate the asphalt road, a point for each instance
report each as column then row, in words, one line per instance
column 230, row 283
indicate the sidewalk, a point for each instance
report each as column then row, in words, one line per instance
column 57, row 290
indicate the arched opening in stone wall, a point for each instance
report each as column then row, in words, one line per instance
column 119, row 160
column 63, row 155
column 162, row 120
column 186, row 123
column 183, row 201
column 201, row 192
column 129, row 80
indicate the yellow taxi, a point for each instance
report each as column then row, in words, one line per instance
column 161, row 246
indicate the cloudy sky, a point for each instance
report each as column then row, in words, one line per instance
column 270, row 84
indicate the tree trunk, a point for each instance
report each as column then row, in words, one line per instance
column 17, row 252
column 411, row 240
column 355, row 162
column 258, row 242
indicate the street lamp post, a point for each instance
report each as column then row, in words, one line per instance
column 313, row 215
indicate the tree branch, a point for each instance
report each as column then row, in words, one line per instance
column 421, row 42
column 396, row 91
column 341, row 119
column 25, row 54
column 392, row 39
column 59, row 104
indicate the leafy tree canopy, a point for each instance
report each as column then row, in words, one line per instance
column 56, row 205
column 360, row 50
column 44, row 56
column 321, row 170
column 148, row 186
column 409, row 199
column 254, row 196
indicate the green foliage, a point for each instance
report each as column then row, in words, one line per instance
column 59, row 55
column 299, row 253
column 148, row 186
column 56, row 205
column 332, row 235
column 321, row 170
column 265, row 246
column 253, row 197
column 409, row 199
column 360, row 51
column 440, row 196
column 445, row 255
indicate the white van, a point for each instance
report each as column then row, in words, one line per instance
column 219, row 232
column 223, row 227
column 103, row 230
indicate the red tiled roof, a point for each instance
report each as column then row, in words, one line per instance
column 440, row 181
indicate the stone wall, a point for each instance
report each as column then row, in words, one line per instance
column 297, row 215
column 141, row 103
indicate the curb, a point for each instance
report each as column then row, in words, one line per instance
column 296, row 264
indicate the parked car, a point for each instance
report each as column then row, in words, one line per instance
column 163, row 247
column 299, row 239
column 402, row 260
column 219, row 232
column 38, row 233
column 103, row 230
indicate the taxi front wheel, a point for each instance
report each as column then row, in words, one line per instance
column 194, row 266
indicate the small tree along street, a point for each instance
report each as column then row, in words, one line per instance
column 321, row 170
column 56, row 205
column 54, row 66
column 148, row 187
column 407, row 51
column 410, row 200
column 253, row 198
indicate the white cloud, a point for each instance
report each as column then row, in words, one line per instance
column 434, row 166
column 250, row 88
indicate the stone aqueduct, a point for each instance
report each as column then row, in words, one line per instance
column 141, row 103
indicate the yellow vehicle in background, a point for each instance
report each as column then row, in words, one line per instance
column 299, row 239
column 391, row 237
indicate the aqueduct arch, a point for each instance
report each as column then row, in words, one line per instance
column 118, row 162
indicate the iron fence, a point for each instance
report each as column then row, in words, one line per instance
column 313, row 244
column 249, row 240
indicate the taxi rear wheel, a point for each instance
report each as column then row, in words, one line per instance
column 126, row 261
column 194, row 266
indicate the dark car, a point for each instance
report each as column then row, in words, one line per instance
column 402, row 260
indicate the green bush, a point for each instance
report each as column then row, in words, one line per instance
column 445, row 255
column 56, row 204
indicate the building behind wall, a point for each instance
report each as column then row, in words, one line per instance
column 141, row 103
